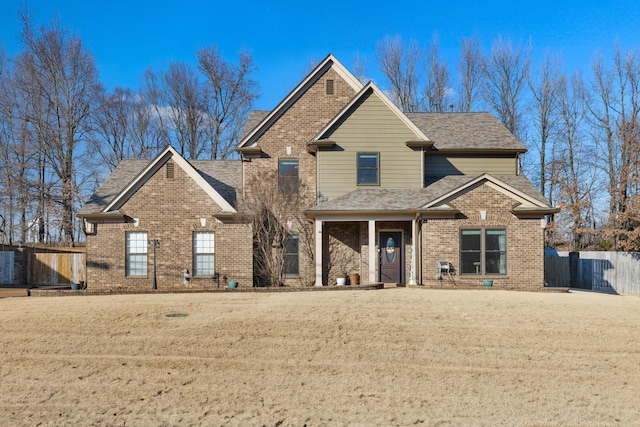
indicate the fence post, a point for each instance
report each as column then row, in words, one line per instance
column 574, row 257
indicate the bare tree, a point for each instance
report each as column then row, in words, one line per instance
column 544, row 88
column 470, row 74
column 437, row 88
column 228, row 96
column 576, row 176
column 183, row 94
column 506, row 71
column 614, row 106
column 61, row 79
column 359, row 67
column 152, row 95
column 400, row 63
column 274, row 216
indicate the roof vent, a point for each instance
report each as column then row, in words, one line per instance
column 170, row 170
column 329, row 86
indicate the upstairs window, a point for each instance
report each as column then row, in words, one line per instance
column 368, row 168
column 288, row 174
column 483, row 251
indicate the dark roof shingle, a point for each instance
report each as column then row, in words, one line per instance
column 461, row 131
column 225, row 176
column 400, row 200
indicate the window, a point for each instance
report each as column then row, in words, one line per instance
column 483, row 251
column 288, row 175
column 136, row 253
column 203, row 253
column 291, row 255
column 368, row 167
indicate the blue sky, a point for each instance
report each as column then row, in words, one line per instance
column 284, row 37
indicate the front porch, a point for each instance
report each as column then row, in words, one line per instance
column 342, row 246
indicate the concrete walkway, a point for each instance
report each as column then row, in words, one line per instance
column 13, row 291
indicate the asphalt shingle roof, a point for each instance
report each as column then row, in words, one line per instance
column 465, row 131
column 225, row 176
column 254, row 119
column 408, row 199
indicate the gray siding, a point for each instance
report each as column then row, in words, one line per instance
column 371, row 127
column 443, row 165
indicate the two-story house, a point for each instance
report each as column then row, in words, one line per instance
column 410, row 198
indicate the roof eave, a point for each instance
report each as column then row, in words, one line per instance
column 102, row 217
column 503, row 151
column 253, row 150
column 359, row 212
column 314, row 146
column 438, row 212
column 419, row 143
column 534, row 213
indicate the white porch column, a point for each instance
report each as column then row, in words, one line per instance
column 373, row 259
column 317, row 228
column 412, row 261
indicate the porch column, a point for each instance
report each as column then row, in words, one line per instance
column 418, row 251
column 317, row 228
column 412, row 261
column 373, row 259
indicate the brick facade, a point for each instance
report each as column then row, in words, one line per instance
column 525, row 237
column 169, row 210
column 292, row 131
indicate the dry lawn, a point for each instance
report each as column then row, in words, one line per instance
column 388, row 357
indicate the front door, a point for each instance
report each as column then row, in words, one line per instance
column 390, row 256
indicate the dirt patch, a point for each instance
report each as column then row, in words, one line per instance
column 388, row 357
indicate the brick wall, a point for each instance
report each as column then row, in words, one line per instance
column 525, row 242
column 294, row 129
column 169, row 210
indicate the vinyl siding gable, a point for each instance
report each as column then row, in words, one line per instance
column 437, row 166
column 370, row 127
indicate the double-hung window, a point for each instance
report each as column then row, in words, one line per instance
column 291, row 255
column 368, row 165
column 288, row 173
column 137, row 247
column 203, row 253
column 483, row 251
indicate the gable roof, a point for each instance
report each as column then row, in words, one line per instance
column 249, row 138
column 433, row 196
column 466, row 132
column 254, row 119
column 516, row 186
column 220, row 179
column 368, row 90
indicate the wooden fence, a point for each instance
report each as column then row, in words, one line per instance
column 42, row 266
column 610, row 272
column 56, row 268
column 7, row 276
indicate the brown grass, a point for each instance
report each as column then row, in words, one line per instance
column 389, row 357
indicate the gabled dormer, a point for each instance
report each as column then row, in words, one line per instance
column 370, row 143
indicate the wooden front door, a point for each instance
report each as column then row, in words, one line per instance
column 390, row 257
